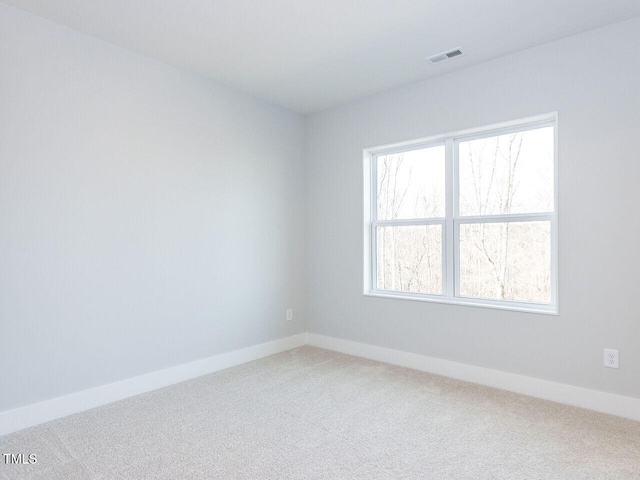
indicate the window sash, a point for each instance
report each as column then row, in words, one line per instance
column 403, row 223
column 549, row 218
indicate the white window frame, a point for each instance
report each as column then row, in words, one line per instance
column 452, row 220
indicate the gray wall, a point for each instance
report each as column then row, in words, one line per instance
column 592, row 81
column 148, row 217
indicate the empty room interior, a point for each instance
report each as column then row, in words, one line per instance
column 319, row 240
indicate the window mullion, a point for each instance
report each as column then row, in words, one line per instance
column 456, row 215
column 449, row 233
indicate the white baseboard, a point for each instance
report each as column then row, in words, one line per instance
column 610, row 403
column 37, row 413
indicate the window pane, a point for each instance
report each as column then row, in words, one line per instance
column 506, row 261
column 510, row 173
column 411, row 184
column 410, row 258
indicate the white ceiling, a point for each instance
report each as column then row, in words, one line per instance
column 308, row 55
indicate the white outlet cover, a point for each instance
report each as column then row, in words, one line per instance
column 611, row 358
column 289, row 314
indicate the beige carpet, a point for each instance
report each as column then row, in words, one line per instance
column 314, row 414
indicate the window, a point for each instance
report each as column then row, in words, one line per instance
column 466, row 218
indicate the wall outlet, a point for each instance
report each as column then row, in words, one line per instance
column 611, row 358
column 289, row 314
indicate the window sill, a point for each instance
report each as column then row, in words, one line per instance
column 471, row 302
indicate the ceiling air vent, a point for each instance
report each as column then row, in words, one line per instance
column 441, row 57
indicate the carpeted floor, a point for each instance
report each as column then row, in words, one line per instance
column 314, row 414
